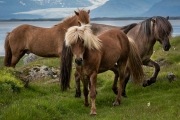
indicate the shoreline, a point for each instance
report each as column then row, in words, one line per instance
column 92, row 19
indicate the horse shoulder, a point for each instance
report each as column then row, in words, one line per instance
column 92, row 58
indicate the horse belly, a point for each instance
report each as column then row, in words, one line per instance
column 108, row 61
column 44, row 50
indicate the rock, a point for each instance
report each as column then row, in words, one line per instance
column 171, row 77
column 30, row 58
column 38, row 72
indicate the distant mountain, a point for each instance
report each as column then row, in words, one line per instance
column 31, row 9
column 8, row 8
column 164, row 8
column 123, row 8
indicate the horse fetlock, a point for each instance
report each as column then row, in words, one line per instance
column 115, row 90
column 149, row 82
column 124, row 95
column 86, row 104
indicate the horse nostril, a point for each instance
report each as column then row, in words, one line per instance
column 78, row 61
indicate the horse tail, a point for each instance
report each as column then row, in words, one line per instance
column 126, row 28
column 135, row 63
column 8, row 52
column 65, row 67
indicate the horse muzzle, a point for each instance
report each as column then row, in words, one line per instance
column 79, row 61
column 167, row 47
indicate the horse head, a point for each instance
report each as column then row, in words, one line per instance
column 162, row 31
column 78, row 50
column 80, row 39
column 83, row 16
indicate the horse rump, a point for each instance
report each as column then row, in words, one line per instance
column 8, row 52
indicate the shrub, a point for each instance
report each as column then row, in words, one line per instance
column 8, row 81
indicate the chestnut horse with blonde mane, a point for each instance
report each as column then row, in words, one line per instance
column 92, row 55
column 44, row 42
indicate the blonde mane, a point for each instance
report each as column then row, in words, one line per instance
column 84, row 33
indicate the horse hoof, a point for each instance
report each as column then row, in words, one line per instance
column 124, row 95
column 116, row 103
column 145, row 83
column 92, row 115
column 77, row 95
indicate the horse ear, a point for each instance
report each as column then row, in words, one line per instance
column 167, row 17
column 88, row 11
column 153, row 20
column 76, row 13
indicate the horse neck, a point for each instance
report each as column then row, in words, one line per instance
column 140, row 36
column 143, row 42
column 68, row 22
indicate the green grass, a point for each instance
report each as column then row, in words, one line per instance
column 47, row 102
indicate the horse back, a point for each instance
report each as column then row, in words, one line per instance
column 115, row 37
column 40, row 41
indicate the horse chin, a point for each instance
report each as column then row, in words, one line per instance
column 166, row 49
column 78, row 63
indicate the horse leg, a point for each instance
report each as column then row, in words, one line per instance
column 125, row 83
column 116, row 76
column 122, row 69
column 93, row 81
column 154, row 76
column 78, row 90
column 15, row 58
column 114, row 87
column 85, row 91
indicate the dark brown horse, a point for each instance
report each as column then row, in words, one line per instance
column 92, row 55
column 45, row 42
column 145, row 34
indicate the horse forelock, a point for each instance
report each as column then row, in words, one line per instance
column 163, row 26
column 83, row 16
column 84, row 33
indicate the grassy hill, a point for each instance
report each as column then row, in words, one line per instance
column 41, row 101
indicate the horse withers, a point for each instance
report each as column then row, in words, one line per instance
column 92, row 53
column 44, row 42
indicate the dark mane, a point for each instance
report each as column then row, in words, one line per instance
column 126, row 28
column 145, row 29
column 163, row 26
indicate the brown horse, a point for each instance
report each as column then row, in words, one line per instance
column 45, row 42
column 92, row 55
column 145, row 34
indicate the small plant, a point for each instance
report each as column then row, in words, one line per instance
column 8, row 81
